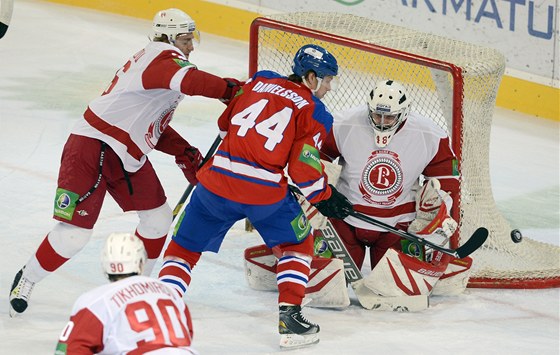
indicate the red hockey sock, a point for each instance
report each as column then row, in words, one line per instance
column 176, row 272
column 48, row 258
column 153, row 246
column 292, row 274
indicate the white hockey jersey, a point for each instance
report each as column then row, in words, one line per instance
column 382, row 182
column 136, row 108
column 136, row 315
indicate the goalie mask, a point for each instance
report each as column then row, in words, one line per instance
column 123, row 254
column 317, row 59
column 173, row 23
column 389, row 106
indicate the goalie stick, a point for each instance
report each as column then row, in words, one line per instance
column 473, row 243
column 367, row 298
column 189, row 188
column 6, row 10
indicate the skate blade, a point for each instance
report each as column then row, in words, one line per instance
column 13, row 312
column 294, row 341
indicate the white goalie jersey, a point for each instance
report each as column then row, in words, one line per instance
column 382, row 182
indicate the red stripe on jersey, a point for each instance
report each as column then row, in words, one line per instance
column 444, row 162
column 114, row 132
column 86, row 336
column 386, row 212
column 161, row 70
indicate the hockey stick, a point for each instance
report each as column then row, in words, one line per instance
column 367, row 298
column 189, row 188
column 6, row 10
column 473, row 243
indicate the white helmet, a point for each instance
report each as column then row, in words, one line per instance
column 172, row 22
column 389, row 106
column 123, row 254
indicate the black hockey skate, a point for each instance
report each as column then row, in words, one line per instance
column 19, row 294
column 295, row 330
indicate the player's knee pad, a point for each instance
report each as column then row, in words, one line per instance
column 67, row 240
column 155, row 223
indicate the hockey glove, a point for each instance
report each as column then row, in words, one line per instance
column 189, row 163
column 232, row 90
column 433, row 221
column 336, row 206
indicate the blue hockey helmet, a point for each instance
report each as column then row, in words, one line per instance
column 316, row 58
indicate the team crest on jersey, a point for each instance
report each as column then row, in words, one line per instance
column 157, row 127
column 382, row 178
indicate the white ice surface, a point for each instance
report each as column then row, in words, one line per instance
column 54, row 59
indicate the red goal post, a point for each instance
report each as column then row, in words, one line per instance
column 452, row 82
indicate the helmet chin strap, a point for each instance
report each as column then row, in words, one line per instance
column 319, row 82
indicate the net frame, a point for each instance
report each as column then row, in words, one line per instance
column 453, row 79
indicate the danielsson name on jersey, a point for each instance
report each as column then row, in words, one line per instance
column 135, row 315
column 274, row 122
column 383, row 182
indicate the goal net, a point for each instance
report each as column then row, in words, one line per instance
column 452, row 82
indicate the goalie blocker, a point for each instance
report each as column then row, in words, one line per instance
column 397, row 274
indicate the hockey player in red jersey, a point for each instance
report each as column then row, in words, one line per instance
column 385, row 150
column 107, row 150
column 276, row 123
column 133, row 314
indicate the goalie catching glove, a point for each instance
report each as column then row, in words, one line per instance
column 433, row 221
column 336, row 206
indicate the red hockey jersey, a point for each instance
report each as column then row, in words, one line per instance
column 273, row 126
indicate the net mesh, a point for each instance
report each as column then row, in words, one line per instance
column 454, row 83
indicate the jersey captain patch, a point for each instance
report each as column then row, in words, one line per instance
column 382, row 178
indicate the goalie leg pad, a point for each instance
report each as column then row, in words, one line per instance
column 260, row 268
column 454, row 280
column 326, row 287
column 398, row 274
column 369, row 300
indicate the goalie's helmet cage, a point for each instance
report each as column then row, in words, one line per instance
column 172, row 22
column 388, row 102
column 316, row 58
column 123, row 254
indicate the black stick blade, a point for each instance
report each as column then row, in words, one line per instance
column 475, row 241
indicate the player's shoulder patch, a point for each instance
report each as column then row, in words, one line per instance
column 183, row 63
